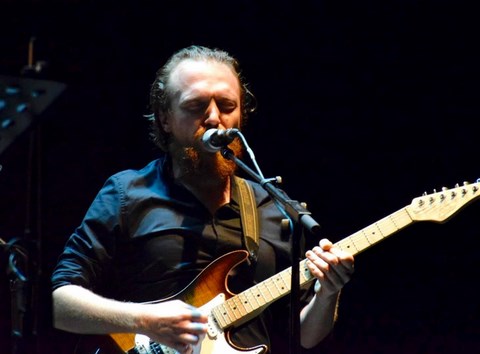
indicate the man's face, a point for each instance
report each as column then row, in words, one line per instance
column 204, row 95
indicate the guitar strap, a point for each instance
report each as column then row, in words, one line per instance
column 248, row 216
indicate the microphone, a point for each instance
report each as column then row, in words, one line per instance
column 215, row 139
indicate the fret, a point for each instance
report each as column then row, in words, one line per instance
column 237, row 306
column 286, row 277
column 272, row 287
column 346, row 244
column 402, row 219
column 373, row 236
column 225, row 314
column 229, row 307
column 246, row 301
column 376, row 232
column 258, row 296
column 276, row 281
column 387, row 226
column 266, row 295
column 219, row 317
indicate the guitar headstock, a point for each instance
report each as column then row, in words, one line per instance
column 440, row 206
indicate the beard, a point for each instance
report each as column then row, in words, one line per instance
column 194, row 162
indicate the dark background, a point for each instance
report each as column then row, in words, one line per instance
column 363, row 106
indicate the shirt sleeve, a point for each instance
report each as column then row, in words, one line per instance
column 89, row 250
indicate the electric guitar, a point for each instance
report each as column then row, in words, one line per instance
column 226, row 310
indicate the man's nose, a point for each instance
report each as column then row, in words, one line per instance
column 212, row 115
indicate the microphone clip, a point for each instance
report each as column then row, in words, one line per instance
column 216, row 139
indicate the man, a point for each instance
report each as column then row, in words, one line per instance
column 149, row 233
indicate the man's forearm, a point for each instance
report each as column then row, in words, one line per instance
column 317, row 319
column 78, row 310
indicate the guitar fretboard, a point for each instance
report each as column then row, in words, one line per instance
column 363, row 239
column 250, row 302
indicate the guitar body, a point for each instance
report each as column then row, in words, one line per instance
column 206, row 291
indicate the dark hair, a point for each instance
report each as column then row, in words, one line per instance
column 159, row 94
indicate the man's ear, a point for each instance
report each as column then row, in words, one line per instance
column 164, row 120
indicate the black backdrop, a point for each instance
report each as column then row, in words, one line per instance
column 363, row 106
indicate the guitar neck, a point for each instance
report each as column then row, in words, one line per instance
column 248, row 304
column 376, row 232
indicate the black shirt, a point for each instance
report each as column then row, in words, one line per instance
column 145, row 238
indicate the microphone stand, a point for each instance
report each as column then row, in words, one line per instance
column 21, row 291
column 302, row 221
